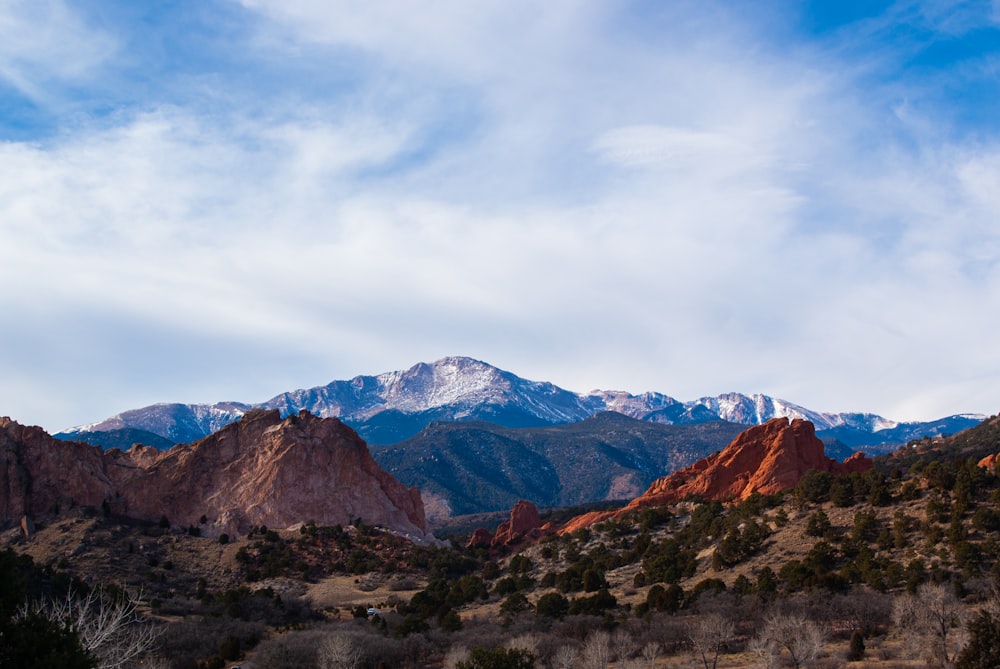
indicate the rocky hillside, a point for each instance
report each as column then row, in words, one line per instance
column 767, row 458
column 261, row 470
column 474, row 467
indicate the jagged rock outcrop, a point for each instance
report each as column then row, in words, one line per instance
column 481, row 538
column 524, row 520
column 989, row 462
column 259, row 470
column 524, row 523
column 766, row 458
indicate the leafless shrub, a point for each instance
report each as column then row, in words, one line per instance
column 708, row 634
column 596, row 652
column 801, row 637
column 528, row 642
column 863, row 610
column 766, row 650
column 623, row 644
column 293, row 650
column 577, row 628
column 933, row 623
column 456, row 653
column 650, row 653
column 565, row 657
column 339, row 651
column 109, row 627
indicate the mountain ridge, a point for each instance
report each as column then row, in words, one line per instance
column 393, row 406
column 262, row 469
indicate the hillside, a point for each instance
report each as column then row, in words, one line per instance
column 834, row 556
column 475, row 467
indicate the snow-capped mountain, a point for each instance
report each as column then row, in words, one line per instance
column 390, row 407
column 756, row 409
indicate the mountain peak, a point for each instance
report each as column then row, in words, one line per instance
column 393, row 406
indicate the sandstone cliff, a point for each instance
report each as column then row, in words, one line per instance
column 766, row 458
column 259, row 470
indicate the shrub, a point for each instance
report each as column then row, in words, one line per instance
column 593, row 605
column 984, row 640
column 498, row 658
column 552, row 605
column 856, row 650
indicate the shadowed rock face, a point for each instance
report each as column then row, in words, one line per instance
column 259, row 470
column 766, row 458
column 524, row 523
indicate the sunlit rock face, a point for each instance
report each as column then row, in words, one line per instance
column 261, row 470
column 766, row 458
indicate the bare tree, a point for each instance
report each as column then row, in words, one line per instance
column 766, row 650
column 457, row 653
column 623, row 643
column 933, row 621
column 110, row 628
column 528, row 642
column 339, row 651
column 596, row 653
column 650, row 653
column 801, row 637
column 708, row 635
column 565, row 657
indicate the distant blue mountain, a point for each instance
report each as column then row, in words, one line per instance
column 391, row 407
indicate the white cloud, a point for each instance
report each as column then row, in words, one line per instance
column 689, row 212
column 45, row 40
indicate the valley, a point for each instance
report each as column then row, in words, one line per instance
column 836, row 557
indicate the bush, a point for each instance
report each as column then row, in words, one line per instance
column 984, row 640
column 593, row 605
column 818, row 524
column 856, row 651
column 552, row 605
column 814, row 486
column 498, row 658
column 35, row 642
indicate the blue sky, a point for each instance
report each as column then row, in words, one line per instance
column 225, row 200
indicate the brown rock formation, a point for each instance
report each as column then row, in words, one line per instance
column 524, row 523
column 524, row 520
column 259, row 470
column 481, row 538
column 766, row 458
column 989, row 462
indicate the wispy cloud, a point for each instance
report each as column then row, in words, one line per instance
column 47, row 41
column 672, row 197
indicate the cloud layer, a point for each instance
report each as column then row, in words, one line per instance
column 244, row 198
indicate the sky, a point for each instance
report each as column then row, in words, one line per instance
column 224, row 200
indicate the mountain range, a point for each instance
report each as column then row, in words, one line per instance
column 394, row 406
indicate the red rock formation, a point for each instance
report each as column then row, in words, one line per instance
column 259, row 470
column 524, row 520
column 989, row 462
column 481, row 538
column 766, row 458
